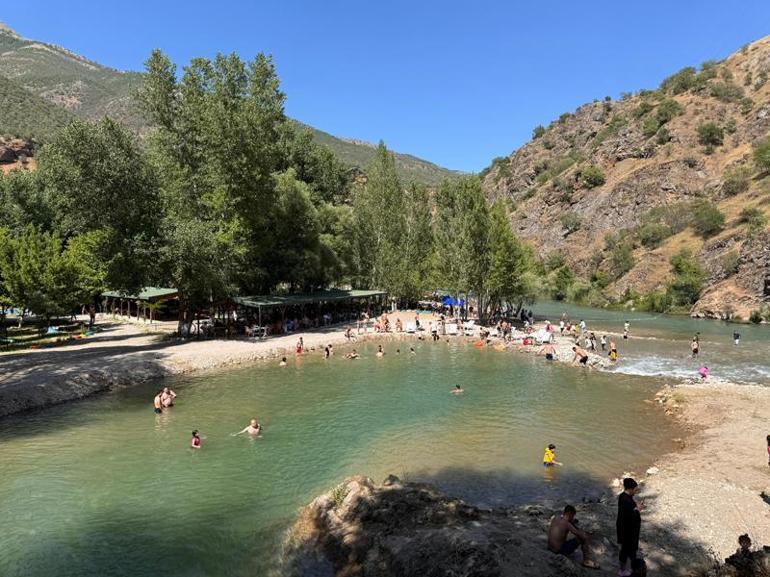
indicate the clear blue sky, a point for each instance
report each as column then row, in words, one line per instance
column 454, row 82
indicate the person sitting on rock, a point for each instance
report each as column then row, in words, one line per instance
column 559, row 541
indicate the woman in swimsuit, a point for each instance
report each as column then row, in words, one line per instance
column 195, row 442
column 253, row 428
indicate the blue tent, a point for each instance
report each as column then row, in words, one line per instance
column 451, row 301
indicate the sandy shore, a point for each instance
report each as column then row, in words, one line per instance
column 710, row 490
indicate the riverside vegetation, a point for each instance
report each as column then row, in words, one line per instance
column 229, row 197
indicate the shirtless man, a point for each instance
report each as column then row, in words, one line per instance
column 253, row 428
column 157, row 403
column 558, row 534
column 581, row 355
column 283, row 362
column 380, row 352
column 167, row 397
column 352, row 355
column 548, row 350
column 458, row 390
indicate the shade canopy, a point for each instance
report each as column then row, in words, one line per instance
column 151, row 293
column 331, row 295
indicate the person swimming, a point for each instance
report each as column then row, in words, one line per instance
column 352, row 355
column 411, row 351
column 283, row 362
column 549, row 456
column 167, row 397
column 380, row 352
column 195, row 442
column 253, row 428
column 458, row 390
column 158, row 403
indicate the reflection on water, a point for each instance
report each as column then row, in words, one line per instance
column 106, row 487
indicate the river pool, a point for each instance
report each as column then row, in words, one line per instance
column 105, row 487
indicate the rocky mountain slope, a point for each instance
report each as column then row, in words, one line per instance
column 613, row 188
column 91, row 91
column 25, row 114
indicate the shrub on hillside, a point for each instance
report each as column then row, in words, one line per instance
column 762, row 155
column 687, row 282
column 754, row 219
column 707, row 219
column 679, row 82
column 667, row 110
column 730, row 262
column 709, row 134
column 726, row 91
column 538, row 131
column 652, row 234
column 570, row 221
column 737, row 180
column 662, row 136
column 592, row 176
column 755, row 317
column 676, row 217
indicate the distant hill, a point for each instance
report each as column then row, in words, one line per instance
column 357, row 153
column 26, row 115
column 91, row 91
column 612, row 189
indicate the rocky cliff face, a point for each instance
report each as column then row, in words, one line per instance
column 612, row 166
column 361, row 529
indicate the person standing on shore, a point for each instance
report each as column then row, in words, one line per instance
column 768, row 450
column 603, row 342
column 629, row 524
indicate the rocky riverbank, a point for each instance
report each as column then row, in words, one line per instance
column 361, row 529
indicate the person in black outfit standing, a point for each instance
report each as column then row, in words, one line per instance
column 629, row 525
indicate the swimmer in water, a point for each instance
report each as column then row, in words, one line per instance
column 398, row 351
column 548, row 350
column 167, row 397
column 352, row 355
column 736, row 338
column 157, row 403
column 195, row 442
column 253, row 428
column 283, row 362
column 458, row 390
column 695, row 346
column 380, row 352
column 411, row 350
column 549, row 456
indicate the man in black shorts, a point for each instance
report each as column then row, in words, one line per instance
column 558, row 534
column 581, row 355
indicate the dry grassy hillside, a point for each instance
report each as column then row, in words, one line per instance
column 612, row 189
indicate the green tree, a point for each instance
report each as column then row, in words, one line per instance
column 96, row 178
column 510, row 278
column 41, row 274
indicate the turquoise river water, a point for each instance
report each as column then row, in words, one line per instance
column 105, row 487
